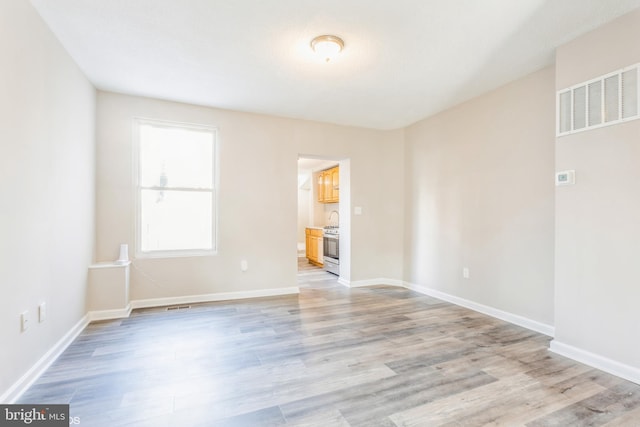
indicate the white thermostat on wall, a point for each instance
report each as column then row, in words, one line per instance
column 566, row 177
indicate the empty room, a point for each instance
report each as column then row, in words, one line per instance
column 337, row 213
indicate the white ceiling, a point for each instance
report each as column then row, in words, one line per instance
column 403, row 60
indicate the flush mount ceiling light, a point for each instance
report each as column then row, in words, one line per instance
column 327, row 46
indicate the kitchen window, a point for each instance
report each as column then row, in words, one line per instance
column 176, row 191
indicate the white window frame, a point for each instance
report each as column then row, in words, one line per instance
column 137, row 122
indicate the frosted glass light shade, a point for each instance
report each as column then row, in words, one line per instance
column 327, row 46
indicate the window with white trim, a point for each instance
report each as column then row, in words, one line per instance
column 176, row 194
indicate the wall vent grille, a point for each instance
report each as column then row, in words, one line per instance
column 605, row 100
column 178, row 307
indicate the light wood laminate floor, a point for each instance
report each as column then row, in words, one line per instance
column 377, row 356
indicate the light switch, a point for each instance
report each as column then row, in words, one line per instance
column 24, row 321
column 357, row 210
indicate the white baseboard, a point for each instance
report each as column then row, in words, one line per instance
column 20, row 386
column 375, row 282
column 596, row 361
column 344, row 282
column 187, row 299
column 484, row 309
column 17, row 389
column 534, row 325
column 120, row 313
column 223, row 296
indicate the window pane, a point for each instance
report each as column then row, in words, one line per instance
column 176, row 220
column 175, row 157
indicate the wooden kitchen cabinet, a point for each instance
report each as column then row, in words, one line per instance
column 321, row 197
column 329, row 185
column 313, row 245
column 335, row 184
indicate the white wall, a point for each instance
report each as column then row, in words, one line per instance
column 470, row 187
column 598, row 219
column 479, row 194
column 305, row 203
column 47, row 111
column 258, row 197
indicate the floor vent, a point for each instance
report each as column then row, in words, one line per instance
column 178, row 307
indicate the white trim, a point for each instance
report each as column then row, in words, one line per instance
column 109, row 264
column 534, row 325
column 375, row 282
column 223, row 296
column 20, row 386
column 596, row 361
column 137, row 188
column 525, row 322
column 586, row 84
column 344, row 282
column 118, row 313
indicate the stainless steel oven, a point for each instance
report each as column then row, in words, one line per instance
column 331, row 246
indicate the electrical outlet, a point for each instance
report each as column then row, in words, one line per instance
column 42, row 312
column 465, row 272
column 24, row 321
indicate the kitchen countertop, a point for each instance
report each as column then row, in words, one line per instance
column 314, row 227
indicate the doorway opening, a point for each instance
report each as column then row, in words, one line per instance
column 323, row 226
